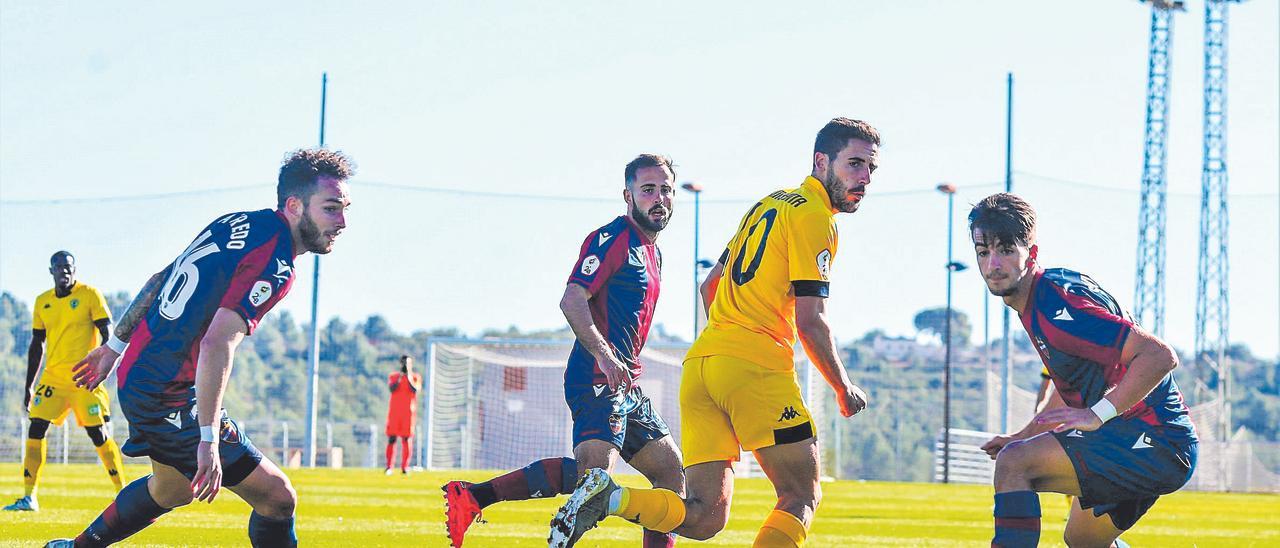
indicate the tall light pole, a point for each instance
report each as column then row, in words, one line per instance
column 952, row 267
column 313, row 373
column 696, row 189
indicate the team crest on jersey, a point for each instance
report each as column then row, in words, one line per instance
column 260, row 293
column 75, row 303
column 590, row 265
column 824, row 263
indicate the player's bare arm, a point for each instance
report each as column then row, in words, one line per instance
column 97, row 365
column 34, row 353
column 820, row 345
column 1032, row 429
column 708, row 287
column 217, row 349
column 1148, row 359
column 578, row 312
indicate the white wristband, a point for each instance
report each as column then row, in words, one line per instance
column 115, row 344
column 206, row 434
column 1104, row 409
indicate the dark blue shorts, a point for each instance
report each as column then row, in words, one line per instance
column 1126, row 465
column 172, row 440
column 628, row 421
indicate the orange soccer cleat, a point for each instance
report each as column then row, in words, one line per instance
column 460, row 510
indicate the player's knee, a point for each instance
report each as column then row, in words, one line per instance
column 704, row 525
column 37, row 429
column 799, row 499
column 96, row 435
column 1012, row 460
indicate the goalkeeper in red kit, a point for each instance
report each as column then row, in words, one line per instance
column 404, row 385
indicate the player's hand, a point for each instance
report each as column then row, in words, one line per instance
column 208, row 479
column 994, row 445
column 95, row 367
column 26, row 401
column 615, row 372
column 852, row 400
column 1070, row 418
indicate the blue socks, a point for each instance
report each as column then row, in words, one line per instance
column 132, row 511
column 1017, row 516
column 265, row 532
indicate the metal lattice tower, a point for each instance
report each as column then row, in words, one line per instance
column 1211, row 298
column 1149, row 285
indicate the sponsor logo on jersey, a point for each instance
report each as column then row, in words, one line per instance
column 47, row 305
column 1063, row 315
column 260, row 292
column 824, row 263
column 590, row 265
column 599, row 389
column 604, row 237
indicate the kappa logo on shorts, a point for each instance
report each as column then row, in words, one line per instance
column 788, row 413
column 590, row 265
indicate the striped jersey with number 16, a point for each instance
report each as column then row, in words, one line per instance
column 242, row 262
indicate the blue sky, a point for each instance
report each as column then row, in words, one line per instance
column 499, row 101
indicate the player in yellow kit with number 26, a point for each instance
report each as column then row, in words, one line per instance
column 68, row 320
column 738, row 390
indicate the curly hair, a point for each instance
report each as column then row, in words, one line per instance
column 302, row 168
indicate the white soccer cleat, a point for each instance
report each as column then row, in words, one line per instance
column 61, row 543
column 24, row 504
column 586, row 508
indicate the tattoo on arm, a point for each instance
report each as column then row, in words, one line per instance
column 138, row 308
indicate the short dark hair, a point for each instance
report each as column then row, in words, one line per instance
column 839, row 131
column 61, row 253
column 646, row 160
column 302, row 168
column 1005, row 217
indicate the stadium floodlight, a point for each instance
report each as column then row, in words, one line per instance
column 696, row 189
column 952, row 267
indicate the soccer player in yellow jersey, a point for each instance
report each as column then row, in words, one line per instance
column 739, row 389
column 68, row 320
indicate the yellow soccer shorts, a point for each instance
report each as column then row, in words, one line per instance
column 728, row 404
column 52, row 403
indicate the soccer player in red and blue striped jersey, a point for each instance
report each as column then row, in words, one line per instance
column 609, row 302
column 1117, row 434
column 178, row 340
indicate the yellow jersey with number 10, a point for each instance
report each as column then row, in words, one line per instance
column 69, row 330
column 783, row 248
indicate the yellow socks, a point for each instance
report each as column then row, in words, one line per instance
column 109, row 453
column 781, row 529
column 660, row 510
column 32, row 461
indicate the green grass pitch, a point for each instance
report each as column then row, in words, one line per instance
column 357, row 508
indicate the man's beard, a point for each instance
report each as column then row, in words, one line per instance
column 646, row 223
column 1007, row 292
column 314, row 240
column 838, row 191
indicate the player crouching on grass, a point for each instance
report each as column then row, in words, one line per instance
column 1119, row 435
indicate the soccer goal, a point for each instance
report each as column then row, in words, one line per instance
column 499, row 404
